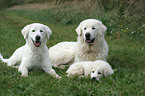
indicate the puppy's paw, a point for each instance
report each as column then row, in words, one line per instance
column 81, row 76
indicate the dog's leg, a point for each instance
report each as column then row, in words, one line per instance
column 15, row 66
column 51, row 72
column 62, row 66
column 24, row 71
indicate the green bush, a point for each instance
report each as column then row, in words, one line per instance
column 9, row 3
column 125, row 17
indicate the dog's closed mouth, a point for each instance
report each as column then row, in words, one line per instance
column 36, row 43
column 90, row 41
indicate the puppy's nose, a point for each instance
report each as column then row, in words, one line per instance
column 93, row 78
column 37, row 37
column 87, row 34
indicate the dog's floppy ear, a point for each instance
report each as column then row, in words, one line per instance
column 103, row 29
column 25, row 31
column 79, row 29
column 108, row 72
column 48, row 31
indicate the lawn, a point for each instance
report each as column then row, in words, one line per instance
column 126, row 56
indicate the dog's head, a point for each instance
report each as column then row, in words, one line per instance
column 36, row 33
column 97, row 73
column 91, row 30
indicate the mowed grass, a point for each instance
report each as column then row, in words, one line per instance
column 126, row 56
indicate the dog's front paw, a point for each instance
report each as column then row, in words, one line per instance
column 62, row 66
column 15, row 66
column 24, row 75
column 58, row 77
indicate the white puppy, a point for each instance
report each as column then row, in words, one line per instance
column 34, row 54
column 90, row 45
column 96, row 69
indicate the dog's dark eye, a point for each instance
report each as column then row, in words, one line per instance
column 99, row 72
column 93, row 28
column 85, row 28
column 41, row 30
column 93, row 71
column 33, row 30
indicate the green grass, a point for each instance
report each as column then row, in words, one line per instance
column 126, row 55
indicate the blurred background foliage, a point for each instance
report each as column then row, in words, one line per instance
column 120, row 16
column 129, row 7
column 124, row 6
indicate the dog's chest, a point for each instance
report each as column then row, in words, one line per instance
column 36, row 59
column 88, row 56
column 89, row 53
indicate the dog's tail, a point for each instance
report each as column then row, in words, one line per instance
column 2, row 59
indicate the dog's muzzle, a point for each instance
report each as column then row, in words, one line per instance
column 88, row 39
column 95, row 79
column 37, row 42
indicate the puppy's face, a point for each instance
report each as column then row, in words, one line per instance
column 90, row 30
column 96, row 75
column 36, row 34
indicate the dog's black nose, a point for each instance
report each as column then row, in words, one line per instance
column 87, row 34
column 94, row 78
column 37, row 37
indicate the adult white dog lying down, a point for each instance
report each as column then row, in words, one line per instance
column 34, row 54
column 62, row 53
column 96, row 69
column 90, row 45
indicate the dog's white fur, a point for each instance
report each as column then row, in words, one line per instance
column 81, row 50
column 98, row 50
column 96, row 69
column 62, row 53
column 34, row 54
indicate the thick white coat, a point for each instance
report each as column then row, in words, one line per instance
column 66, row 52
column 62, row 53
column 33, row 54
column 90, row 68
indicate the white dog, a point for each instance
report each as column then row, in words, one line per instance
column 90, row 45
column 96, row 69
column 62, row 53
column 34, row 54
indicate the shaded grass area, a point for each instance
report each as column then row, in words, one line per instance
column 128, row 26
column 126, row 55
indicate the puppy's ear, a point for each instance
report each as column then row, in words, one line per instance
column 79, row 29
column 48, row 31
column 25, row 31
column 108, row 72
column 103, row 29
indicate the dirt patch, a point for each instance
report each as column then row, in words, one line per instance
column 31, row 6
